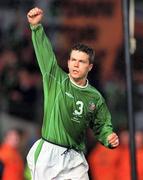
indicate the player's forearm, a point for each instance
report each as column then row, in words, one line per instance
column 43, row 49
column 102, row 126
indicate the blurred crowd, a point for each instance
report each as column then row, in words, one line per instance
column 21, row 97
column 107, row 164
column 19, row 76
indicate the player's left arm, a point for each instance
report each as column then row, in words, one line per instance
column 102, row 126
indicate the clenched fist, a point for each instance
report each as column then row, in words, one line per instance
column 113, row 140
column 35, row 16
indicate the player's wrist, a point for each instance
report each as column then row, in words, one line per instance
column 35, row 26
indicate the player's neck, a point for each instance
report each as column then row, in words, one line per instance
column 79, row 82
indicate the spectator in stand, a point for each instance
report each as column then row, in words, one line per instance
column 8, row 75
column 124, row 162
column 11, row 160
column 23, row 96
column 124, row 171
column 103, row 163
column 139, row 149
column 106, row 164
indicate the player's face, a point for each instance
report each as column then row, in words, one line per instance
column 79, row 66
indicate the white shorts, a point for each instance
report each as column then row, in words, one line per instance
column 56, row 163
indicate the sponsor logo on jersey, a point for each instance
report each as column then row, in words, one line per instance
column 91, row 106
column 69, row 95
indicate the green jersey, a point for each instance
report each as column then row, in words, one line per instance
column 69, row 109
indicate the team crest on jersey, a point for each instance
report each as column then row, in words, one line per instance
column 91, row 106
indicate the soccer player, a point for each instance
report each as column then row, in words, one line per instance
column 71, row 105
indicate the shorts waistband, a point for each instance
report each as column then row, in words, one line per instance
column 64, row 146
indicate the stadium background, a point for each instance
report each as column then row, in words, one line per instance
column 98, row 23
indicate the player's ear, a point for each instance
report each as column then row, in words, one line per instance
column 68, row 62
column 90, row 67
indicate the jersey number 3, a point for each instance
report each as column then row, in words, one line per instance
column 79, row 110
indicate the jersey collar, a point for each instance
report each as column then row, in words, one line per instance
column 79, row 85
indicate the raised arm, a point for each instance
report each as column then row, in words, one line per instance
column 42, row 46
